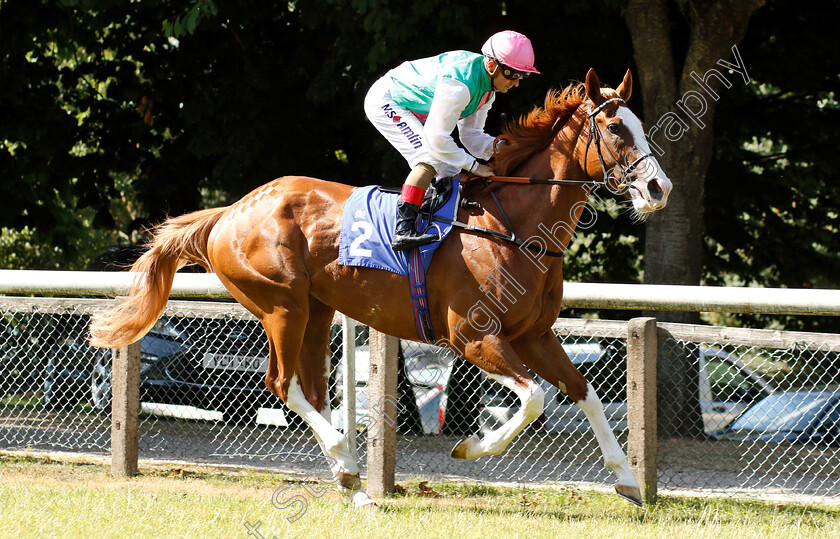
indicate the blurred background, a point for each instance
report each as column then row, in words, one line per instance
column 115, row 114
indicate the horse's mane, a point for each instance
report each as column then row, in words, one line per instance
column 535, row 130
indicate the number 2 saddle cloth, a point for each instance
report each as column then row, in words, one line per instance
column 367, row 225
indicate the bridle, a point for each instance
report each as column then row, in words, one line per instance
column 595, row 135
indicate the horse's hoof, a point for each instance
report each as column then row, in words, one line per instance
column 361, row 500
column 631, row 493
column 460, row 449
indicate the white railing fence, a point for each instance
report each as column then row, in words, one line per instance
column 575, row 295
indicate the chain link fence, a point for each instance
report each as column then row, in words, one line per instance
column 762, row 420
column 735, row 417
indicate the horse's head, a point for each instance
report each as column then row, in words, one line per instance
column 616, row 148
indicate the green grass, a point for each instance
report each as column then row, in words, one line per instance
column 42, row 497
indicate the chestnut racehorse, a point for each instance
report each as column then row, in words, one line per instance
column 492, row 301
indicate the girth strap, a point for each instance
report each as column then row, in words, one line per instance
column 419, row 302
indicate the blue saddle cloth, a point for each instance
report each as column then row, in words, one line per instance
column 367, row 228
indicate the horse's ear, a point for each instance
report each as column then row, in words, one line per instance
column 626, row 87
column 593, row 87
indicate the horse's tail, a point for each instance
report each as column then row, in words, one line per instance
column 176, row 243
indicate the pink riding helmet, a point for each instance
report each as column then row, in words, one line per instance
column 511, row 49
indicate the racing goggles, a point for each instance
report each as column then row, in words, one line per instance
column 512, row 74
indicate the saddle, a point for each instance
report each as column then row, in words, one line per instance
column 437, row 195
column 367, row 226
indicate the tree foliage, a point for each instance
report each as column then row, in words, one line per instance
column 115, row 114
column 772, row 200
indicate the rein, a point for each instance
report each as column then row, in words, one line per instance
column 542, row 181
column 499, row 235
column 512, row 236
column 595, row 136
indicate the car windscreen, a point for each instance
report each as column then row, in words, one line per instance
column 784, row 412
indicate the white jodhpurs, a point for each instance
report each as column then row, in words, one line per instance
column 401, row 128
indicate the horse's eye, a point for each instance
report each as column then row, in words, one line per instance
column 613, row 128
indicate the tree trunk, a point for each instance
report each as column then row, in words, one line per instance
column 678, row 114
column 674, row 237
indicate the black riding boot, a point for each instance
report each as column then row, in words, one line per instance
column 405, row 236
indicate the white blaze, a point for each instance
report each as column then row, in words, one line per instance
column 651, row 166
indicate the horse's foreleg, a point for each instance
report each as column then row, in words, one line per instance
column 531, row 397
column 614, row 458
column 545, row 355
column 496, row 357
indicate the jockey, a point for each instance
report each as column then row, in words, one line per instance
column 417, row 105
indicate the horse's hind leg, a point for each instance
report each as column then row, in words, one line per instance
column 302, row 368
column 546, row 357
column 496, row 357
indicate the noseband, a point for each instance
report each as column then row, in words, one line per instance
column 597, row 137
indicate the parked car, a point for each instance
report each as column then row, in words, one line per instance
column 19, row 360
column 794, row 416
column 426, row 372
column 727, row 387
column 213, row 364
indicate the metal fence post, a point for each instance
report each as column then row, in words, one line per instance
column 641, row 403
column 125, row 407
column 382, row 413
column 348, row 372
